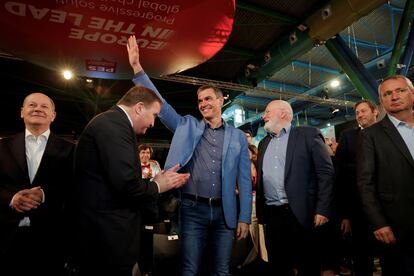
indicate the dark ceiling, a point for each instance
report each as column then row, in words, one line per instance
column 260, row 52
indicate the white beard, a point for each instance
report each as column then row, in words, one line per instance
column 269, row 127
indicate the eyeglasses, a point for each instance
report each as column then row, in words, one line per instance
column 399, row 91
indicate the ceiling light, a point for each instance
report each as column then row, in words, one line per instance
column 67, row 74
column 328, row 124
column 335, row 83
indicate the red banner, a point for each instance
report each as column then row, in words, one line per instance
column 89, row 36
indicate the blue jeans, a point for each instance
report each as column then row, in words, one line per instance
column 204, row 225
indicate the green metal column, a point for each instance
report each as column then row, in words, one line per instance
column 403, row 30
column 354, row 69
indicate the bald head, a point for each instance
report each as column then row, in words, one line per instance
column 41, row 95
column 277, row 115
column 38, row 112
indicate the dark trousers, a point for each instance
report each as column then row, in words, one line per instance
column 102, row 269
column 397, row 261
column 30, row 253
column 289, row 245
column 363, row 244
column 328, row 237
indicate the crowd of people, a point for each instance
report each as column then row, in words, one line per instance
column 79, row 209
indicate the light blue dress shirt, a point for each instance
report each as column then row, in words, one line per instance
column 406, row 133
column 274, row 168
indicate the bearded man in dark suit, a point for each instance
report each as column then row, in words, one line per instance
column 294, row 190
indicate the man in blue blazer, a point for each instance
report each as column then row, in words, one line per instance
column 294, row 190
column 217, row 158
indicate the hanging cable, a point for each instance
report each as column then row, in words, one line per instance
column 355, row 44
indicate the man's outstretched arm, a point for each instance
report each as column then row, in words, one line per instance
column 168, row 116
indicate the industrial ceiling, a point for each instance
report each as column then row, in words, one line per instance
column 277, row 49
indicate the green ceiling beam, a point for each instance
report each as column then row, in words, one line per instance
column 321, row 27
column 363, row 81
column 239, row 51
column 283, row 18
column 403, row 30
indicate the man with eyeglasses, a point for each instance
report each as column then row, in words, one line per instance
column 385, row 176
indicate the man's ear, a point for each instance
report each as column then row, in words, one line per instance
column 138, row 107
column 53, row 116
column 221, row 100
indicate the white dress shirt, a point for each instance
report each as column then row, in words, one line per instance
column 35, row 147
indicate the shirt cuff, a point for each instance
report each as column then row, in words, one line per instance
column 139, row 74
column 43, row 197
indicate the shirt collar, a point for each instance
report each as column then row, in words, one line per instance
column 126, row 113
column 44, row 134
column 223, row 123
column 285, row 130
column 395, row 121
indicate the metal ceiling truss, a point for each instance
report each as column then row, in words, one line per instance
column 273, row 93
column 322, row 25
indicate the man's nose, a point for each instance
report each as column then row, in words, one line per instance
column 395, row 95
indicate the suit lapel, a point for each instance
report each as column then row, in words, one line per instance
column 290, row 149
column 198, row 132
column 396, row 139
column 18, row 150
column 262, row 150
column 51, row 149
column 227, row 139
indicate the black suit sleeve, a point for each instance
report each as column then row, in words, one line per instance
column 344, row 178
column 324, row 174
column 366, row 178
column 118, row 155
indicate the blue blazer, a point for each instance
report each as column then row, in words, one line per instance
column 235, row 159
column 309, row 176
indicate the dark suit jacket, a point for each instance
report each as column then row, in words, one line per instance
column 109, row 191
column 309, row 175
column 385, row 177
column 53, row 176
column 348, row 202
